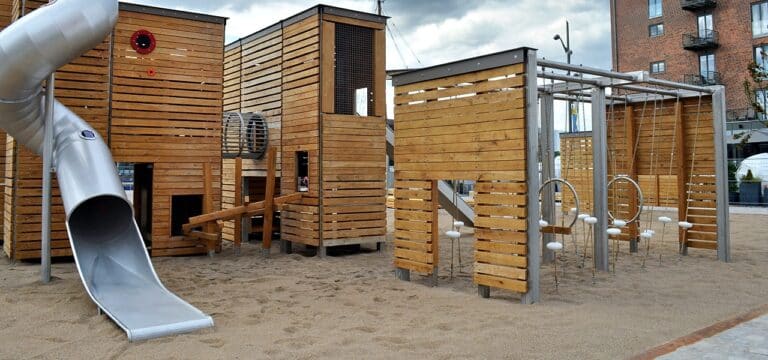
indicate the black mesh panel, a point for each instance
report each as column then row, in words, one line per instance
column 354, row 66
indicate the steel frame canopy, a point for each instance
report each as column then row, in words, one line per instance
column 589, row 84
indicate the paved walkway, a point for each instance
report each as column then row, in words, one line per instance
column 745, row 341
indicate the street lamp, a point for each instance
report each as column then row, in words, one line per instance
column 568, row 53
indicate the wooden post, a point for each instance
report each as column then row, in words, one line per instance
column 208, row 205
column 682, row 174
column 238, row 236
column 269, row 210
column 631, row 137
column 435, row 236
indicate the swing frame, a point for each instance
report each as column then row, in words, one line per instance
column 574, row 85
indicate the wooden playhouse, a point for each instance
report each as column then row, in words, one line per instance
column 318, row 79
column 154, row 91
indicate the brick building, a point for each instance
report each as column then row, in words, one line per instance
column 702, row 42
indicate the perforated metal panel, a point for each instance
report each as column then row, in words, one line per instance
column 244, row 135
column 354, row 67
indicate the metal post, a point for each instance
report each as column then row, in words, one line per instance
column 600, row 176
column 532, row 178
column 547, row 152
column 45, row 249
column 721, row 175
column 568, row 54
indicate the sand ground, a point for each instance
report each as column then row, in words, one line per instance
column 351, row 306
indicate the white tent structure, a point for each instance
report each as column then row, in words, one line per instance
column 757, row 163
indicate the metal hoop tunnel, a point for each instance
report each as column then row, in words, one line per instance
column 573, row 191
column 641, row 199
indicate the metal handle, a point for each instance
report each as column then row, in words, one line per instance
column 573, row 191
column 639, row 195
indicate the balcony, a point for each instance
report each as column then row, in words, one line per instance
column 700, row 40
column 696, row 5
column 705, row 79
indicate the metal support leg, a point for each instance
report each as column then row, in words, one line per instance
column 600, row 176
column 433, row 277
column 403, row 274
column 633, row 246
column 322, row 251
column 547, row 153
column 285, row 247
column 45, row 254
column 532, row 177
column 484, row 291
column 721, row 176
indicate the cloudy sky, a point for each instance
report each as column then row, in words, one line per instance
column 429, row 32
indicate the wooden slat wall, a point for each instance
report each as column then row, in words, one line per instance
column 154, row 120
column 416, row 245
column 83, row 86
column 6, row 12
column 301, row 128
column 700, row 173
column 657, row 163
column 171, row 118
column 576, row 168
column 9, row 10
column 354, row 177
column 253, row 83
column 466, row 127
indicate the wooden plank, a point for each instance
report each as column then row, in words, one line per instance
column 682, row 174
column 329, row 67
column 238, row 233
column 268, row 199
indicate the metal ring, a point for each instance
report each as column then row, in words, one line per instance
column 639, row 195
column 573, row 191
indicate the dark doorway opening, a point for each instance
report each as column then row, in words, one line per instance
column 142, row 199
column 182, row 208
column 302, row 171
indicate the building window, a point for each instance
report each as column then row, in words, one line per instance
column 760, row 18
column 658, row 67
column 302, row 171
column 706, row 26
column 761, row 97
column 656, row 30
column 761, row 57
column 654, row 9
column 707, row 67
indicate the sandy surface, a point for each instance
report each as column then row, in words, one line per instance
column 351, row 306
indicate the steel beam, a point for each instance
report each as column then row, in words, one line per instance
column 586, row 70
column 600, row 176
column 721, row 174
column 45, row 250
column 547, row 153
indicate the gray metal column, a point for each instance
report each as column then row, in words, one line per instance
column 600, row 176
column 547, row 152
column 532, row 177
column 45, row 249
column 721, row 175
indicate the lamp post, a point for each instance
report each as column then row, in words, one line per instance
column 568, row 52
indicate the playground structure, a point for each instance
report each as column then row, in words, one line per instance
column 318, row 80
column 159, row 112
column 476, row 119
column 105, row 238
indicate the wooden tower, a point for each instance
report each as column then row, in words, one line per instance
column 153, row 89
column 319, row 79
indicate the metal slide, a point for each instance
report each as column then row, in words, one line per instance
column 113, row 263
column 461, row 209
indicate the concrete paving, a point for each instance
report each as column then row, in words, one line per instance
column 745, row 341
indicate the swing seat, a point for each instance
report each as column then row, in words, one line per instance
column 558, row 230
